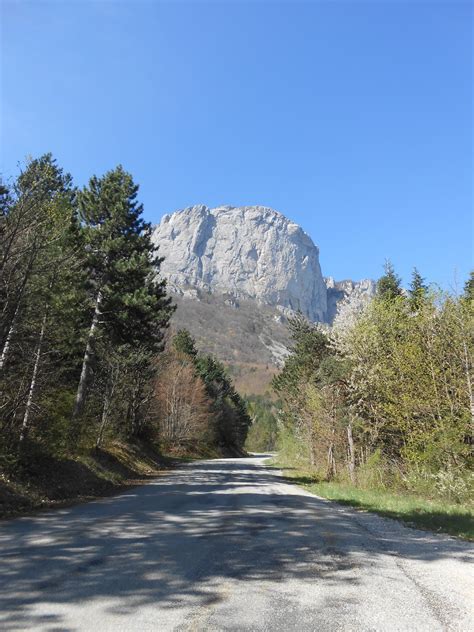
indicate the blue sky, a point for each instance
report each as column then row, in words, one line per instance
column 354, row 119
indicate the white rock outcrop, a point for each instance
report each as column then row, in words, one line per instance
column 346, row 299
column 249, row 252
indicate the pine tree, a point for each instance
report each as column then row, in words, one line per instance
column 310, row 346
column 469, row 288
column 39, row 272
column 41, row 204
column 184, row 343
column 418, row 290
column 128, row 302
column 389, row 285
column 231, row 417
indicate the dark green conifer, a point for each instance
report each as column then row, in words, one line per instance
column 418, row 290
column 128, row 300
column 389, row 285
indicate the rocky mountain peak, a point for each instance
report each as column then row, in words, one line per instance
column 248, row 252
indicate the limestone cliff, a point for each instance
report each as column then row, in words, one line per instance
column 247, row 252
column 236, row 274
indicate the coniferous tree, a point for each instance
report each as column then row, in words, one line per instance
column 389, row 285
column 310, row 346
column 418, row 290
column 39, row 246
column 184, row 343
column 128, row 302
column 41, row 194
column 469, row 287
column 230, row 413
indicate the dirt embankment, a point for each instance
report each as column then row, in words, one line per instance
column 47, row 481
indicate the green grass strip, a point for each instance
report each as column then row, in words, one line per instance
column 423, row 513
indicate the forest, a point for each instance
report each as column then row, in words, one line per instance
column 384, row 400
column 87, row 356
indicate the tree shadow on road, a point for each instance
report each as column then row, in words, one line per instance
column 175, row 539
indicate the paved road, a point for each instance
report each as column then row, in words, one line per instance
column 228, row 545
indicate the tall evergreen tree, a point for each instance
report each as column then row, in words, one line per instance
column 184, row 343
column 310, row 347
column 418, row 290
column 40, row 244
column 128, row 302
column 232, row 420
column 42, row 197
column 389, row 285
column 469, row 287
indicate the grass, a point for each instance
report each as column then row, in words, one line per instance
column 416, row 511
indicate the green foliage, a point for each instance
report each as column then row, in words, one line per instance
column 389, row 285
column 310, row 346
column 184, row 343
column 416, row 510
column 54, row 431
column 60, row 250
column 231, row 417
column 263, row 433
column 469, row 288
column 41, row 294
column 122, row 261
column 292, row 450
column 418, row 290
column 388, row 399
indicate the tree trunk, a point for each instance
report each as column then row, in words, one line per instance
column 26, row 416
column 8, row 339
column 105, row 418
column 350, row 444
column 312, row 454
column 11, row 328
column 86, row 363
column 331, row 465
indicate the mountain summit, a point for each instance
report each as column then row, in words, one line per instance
column 236, row 274
column 249, row 252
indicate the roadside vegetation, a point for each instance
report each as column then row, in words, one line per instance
column 88, row 367
column 378, row 411
column 417, row 511
column 263, row 433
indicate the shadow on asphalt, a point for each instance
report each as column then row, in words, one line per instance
column 166, row 541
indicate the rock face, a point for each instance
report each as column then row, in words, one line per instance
column 249, row 252
column 236, row 274
column 347, row 296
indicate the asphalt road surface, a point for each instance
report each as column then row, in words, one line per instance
column 228, row 545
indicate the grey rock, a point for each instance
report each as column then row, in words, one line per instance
column 347, row 296
column 236, row 274
column 246, row 252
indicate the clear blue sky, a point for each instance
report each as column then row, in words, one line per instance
column 352, row 118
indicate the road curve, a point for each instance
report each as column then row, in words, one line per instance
column 228, row 545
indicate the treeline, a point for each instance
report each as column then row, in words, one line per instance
column 83, row 316
column 197, row 405
column 385, row 398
